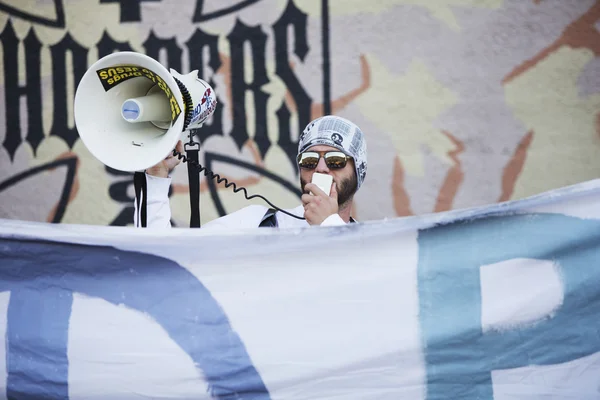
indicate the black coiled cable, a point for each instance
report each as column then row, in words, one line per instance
column 211, row 175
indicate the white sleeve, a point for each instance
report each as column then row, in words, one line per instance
column 333, row 220
column 157, row 206
column 245, row 218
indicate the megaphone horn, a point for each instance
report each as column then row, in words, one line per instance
column 130, row 111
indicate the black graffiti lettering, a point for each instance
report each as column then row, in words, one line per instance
column 119, row 192
column 203, row 56
column 35, row 133
column 199, row 16
column 124, row 218
column 196, row 45
column 36, row 17
column 241, row 34
column 62, row 126
column 13, row 92
column 294, row 17
column 107, row 45
column 198, row 12
column 130, row 9
column 285, row 135
column 116, row 172
column 154, row 45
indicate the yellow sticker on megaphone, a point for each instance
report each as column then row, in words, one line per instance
column 112, row 76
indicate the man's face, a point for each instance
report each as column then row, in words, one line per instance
column 344, row 178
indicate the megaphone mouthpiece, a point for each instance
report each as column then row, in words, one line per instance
column 153, row 107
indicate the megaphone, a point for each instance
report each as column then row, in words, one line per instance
column 130, row 111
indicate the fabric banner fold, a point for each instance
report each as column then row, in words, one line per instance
column 495, row 302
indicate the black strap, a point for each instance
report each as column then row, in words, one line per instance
column 194, row 185
column 141, row 193
column 269, row 219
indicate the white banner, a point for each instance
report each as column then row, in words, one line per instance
column 499, row 302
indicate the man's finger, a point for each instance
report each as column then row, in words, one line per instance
column 334, row 193
column 315, row 190
column 306, row 198
column 308, row 215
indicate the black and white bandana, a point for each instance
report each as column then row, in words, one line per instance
column 340, row 133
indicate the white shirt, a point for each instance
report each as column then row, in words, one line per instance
column 159, row 212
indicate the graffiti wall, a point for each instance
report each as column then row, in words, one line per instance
column 463, row 102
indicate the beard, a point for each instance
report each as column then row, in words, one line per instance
column 345, row 188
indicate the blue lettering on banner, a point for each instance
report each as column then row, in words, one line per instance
column 459, row 356
column 42, row 277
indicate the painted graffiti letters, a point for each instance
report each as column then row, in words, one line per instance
column 240, row 36
column 32, row 89
column 197, row 44
column 108, row 45
column 200, row 16
column 61, row 126
column 154, row 45
column 54, row 18
column 257, row 39
column 119, row 192
column 69, row 60
column 295, row 18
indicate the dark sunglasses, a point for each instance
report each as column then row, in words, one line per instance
column 333, row 159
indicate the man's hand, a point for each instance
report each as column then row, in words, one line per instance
column 163, row 168
column 319, row 206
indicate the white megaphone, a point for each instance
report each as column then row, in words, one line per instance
column 130, row 111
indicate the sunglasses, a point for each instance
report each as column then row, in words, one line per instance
column 333, row 159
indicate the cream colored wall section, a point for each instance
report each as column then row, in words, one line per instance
column 564, row 124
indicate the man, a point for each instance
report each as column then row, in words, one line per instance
column 329, row 145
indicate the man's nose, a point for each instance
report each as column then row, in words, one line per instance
column 322, row 166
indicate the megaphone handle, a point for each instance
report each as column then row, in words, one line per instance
column 194, row 184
